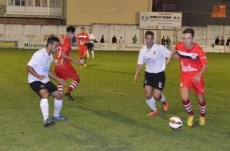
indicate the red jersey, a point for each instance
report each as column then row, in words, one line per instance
column 65, row 46
column 191, row 60
column 82, row 39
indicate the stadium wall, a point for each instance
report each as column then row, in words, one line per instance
column 106, row 11
column 204, row 36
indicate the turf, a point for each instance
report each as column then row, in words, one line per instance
column 109, row 113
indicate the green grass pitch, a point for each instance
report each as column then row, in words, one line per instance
column 109, row 113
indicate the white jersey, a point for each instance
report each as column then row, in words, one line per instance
column 41, row 62
column 154, row 58
column 91, row 36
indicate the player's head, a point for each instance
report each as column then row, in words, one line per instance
column 149, row 36
column 70, row 32
column 90, row 31
column 52, row 44
column 188, row 35
column 82, row 30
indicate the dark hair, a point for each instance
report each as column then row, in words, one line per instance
column 82, row 28
column 52, row 39
column 189, row 31
column 70, row 29
column 149, row 33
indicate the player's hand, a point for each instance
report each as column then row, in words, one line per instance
column 41, row 77
column 78, row 62
column 167, row 62
column 135, row 79
column 197, row 78
column 61, row 81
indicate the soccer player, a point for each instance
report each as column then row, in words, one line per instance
column 82, row 39
column 193, row 64
column 153, row 55
column 63, row 68
column 39, row 73
column 90, row 45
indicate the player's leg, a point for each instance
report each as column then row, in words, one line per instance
column 88, row 48
column 148, row 89
column 92, row 50
column 185, row 86
column 72, row 74
column 81, row 55
column 199, row 89
column 58, row 100
column 150, row 100
column 85, row 56
column 159, row 82
column 41, row 90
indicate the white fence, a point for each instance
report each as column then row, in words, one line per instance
column 40, row 33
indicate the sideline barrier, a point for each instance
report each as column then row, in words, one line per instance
column 8, row 44
column 105, row 46
column 32, row 45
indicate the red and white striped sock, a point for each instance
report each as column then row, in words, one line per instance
column 60, row 88
column 202, row 109
column 72, row 86
column 188, row 107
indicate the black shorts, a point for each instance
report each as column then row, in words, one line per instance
column 155, row 80
column 90, row 46
column 38, row 85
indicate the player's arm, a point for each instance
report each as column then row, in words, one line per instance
column 138, row 70
column 31, row 70
column 32, row 63
column 204, row 64
column 63, row 55
column 173, row 54
column 52, row 75
column 202, row 71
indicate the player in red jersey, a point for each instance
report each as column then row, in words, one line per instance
column 82, row 39
column 63, row 67
column 193, row 64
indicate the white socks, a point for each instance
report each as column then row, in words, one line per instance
column 45, row 108
column 92, row 51
column 57, row 107
column 87, row 53
column 151, row 104
column 162, row 98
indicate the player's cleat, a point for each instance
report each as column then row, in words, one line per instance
column 202, row 121
column 48, row 122
column 81, row 66
column 165, row 106
column 69, row 96
column 190, row 120
column 59, row 118
column 152, row 113
column 85, row 65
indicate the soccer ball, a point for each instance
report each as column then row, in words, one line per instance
column 175, row 123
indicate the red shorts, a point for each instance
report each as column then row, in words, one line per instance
column 82, row 51
column 66, row 72
column 188, row 82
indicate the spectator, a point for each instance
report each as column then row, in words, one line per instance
column 134, row 39
column 168, row 41
column 163, row 40
column 228, row 41
column 114, row 39
column 102, row 39
column 222, row 41
column 121, row 41
column 217, row 41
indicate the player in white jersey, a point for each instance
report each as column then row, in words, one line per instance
column 90, row 45
column 153, row 55
column 39, row 73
